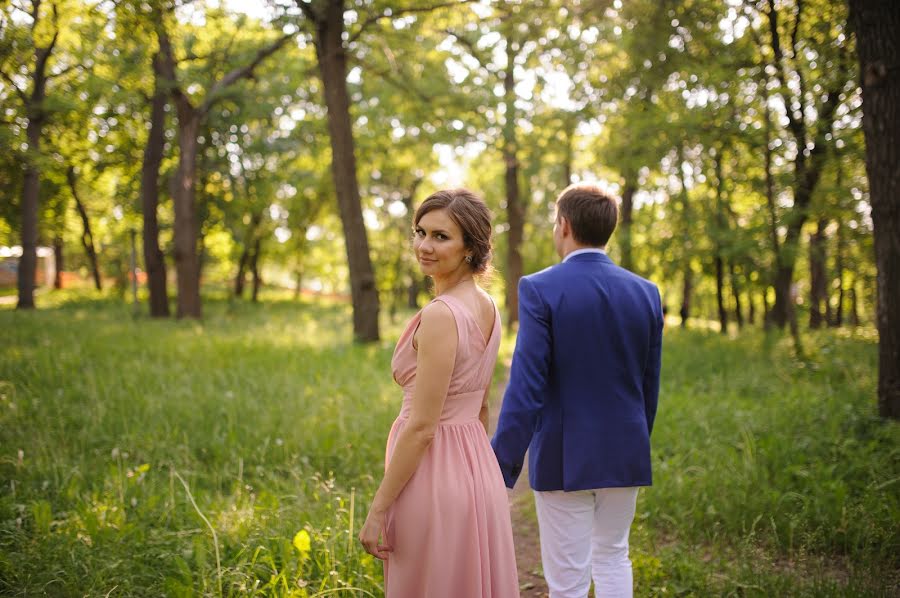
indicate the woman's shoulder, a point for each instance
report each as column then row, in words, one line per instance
column 437, row 313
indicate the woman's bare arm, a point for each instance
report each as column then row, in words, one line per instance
column 437, row 339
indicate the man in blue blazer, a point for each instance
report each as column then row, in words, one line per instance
column 582, row 397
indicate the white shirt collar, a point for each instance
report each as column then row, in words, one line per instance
column 585, row 250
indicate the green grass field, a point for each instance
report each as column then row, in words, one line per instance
column 238, row 457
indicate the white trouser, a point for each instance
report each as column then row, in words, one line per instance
column 585, row 534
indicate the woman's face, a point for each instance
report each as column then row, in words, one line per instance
column 439, row 245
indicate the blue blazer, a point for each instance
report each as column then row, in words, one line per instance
column 584, row 383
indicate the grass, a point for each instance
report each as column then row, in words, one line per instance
column 238, row 457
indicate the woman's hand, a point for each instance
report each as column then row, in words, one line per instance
column 371, row 530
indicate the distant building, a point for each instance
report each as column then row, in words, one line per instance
column 9, row 266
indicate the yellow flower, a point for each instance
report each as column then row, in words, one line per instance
column 302, row 542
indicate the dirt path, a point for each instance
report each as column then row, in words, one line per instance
column 525, row 530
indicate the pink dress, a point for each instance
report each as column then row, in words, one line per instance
column 450, row 528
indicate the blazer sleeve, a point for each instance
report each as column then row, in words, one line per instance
column 654, row 363
column 527, row 388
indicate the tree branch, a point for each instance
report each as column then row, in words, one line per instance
column 68, row 69
column 795, row 124
column 244, row 71
column 167, row 63
column 391, row 13
column 308, row 11
column 387, row 75
column 471, row 49
column 19, row 92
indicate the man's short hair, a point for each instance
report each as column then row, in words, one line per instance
column 591, row 213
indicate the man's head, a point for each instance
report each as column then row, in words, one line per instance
column 585, row 217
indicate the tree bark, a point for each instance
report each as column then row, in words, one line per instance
column 751, row 304
column 254, row 269
column 878, row 46
column 687, row 274
column 569, row 150
column 87, row 237
column 415, row 277
column 838, row 320
column 818, row 291
column 298, row 281
column 187, row 261
column 57, row 262
column 332, row 59
column 736, row 292
column 515, row 209
column 30, row 207
column 720, row 295
column 246, row 253
column 240, row 278
column 154, row 260
column 625, row 221
column 720, row 235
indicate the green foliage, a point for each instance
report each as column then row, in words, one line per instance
column 772, row 477
column 254, row 409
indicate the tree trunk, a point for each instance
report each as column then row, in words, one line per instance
column 187, row 262
column 412, row 293
column 87, row 237
column 720, row 294
column 57, row 262
column 246, row 253
column 569, row 151
column 37, row 115
column 515, row 209
column 625, row 221
column 720, row 234
column 154, row 260
column 415, row 277
column 878, row 45
column 241, row 277
column 838, row 319
column 687, row 274
column 30, row 207
column 736, row 292
column 818, row 291
column 298, row 281
column 751, row 304
column 332, row 61
column 254, row 269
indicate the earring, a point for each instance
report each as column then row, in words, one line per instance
column 468, row 259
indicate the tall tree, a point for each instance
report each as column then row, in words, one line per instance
column 333, row 43
column 327, row 18
column 154, row 261
column 797, row 49
column 87, row 235
column 42, row 39
column 876, row 23
column 191, row 114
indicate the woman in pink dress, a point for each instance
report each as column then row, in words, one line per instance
column 441, row 512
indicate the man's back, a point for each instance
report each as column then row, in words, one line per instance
column 594, row 390
column 582, row 398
